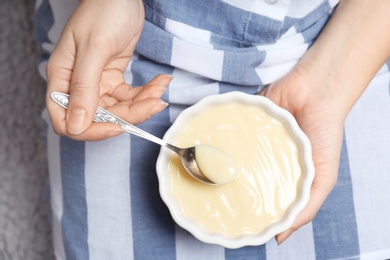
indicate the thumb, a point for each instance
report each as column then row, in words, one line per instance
column 84, row 89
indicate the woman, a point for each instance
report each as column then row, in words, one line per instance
column 313, row 58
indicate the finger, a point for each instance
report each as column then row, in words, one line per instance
column 58, row 73
column 157, row 84
column 140, row 111
column 154, row 88
column 125, row 92
column 319, row 192
column 84, row 88
column 263, row 91
column 98, row 131
column 134, row 113
column 150, row 91
column 302, row 219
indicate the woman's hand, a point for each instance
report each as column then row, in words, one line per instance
column 326, row 83
column 322, row 121
column 89, row 61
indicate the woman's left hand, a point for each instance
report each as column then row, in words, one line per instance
column 321, row 120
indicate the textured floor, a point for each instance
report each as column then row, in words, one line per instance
column 24, row 225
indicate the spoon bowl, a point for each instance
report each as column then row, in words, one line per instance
column 187, row 155
column 187, row 158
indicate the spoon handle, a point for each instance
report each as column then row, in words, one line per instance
column 103, row 115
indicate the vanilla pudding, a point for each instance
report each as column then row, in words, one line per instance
column 266, row 161
column 215, row 164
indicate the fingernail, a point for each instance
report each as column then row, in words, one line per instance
column 159, row 91
column 169, row 78
column 278, row 240
column 158, row 107
column 115, row 132
column 282, row 237
column 76, row 121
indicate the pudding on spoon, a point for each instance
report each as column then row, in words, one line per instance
column 216, row 165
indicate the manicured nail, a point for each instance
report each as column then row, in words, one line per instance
column 278, row 240
column 282, row 237
column 159, row 91
column 169, row 78
column 115, row 132
column 76, row 121
column 158, row 107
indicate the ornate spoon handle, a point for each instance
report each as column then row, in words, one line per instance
column 103, row 115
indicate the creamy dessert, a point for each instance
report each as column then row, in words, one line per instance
column 267, row 164
column 215, row 164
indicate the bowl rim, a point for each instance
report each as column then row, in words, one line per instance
column 306, row 164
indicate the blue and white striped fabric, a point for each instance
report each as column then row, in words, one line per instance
column 104, row 195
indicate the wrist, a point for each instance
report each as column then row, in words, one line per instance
column 349, row 52
column 324, row 89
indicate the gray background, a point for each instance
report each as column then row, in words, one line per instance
column 24, row 221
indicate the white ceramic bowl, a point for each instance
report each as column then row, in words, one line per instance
column 307, row 167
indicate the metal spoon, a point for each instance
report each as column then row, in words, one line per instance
column 187, row 155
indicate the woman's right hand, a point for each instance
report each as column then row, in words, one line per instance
column 89, row 62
